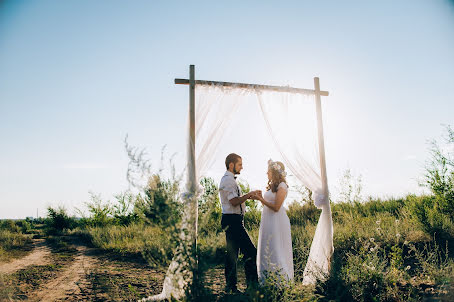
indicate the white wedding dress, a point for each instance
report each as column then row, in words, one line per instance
column 274, row 250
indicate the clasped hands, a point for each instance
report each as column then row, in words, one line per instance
column 255, row 195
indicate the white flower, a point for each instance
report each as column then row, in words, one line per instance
column 408, row 267
column 398, row 235
column 277, row 167
column 378, row 222
column 372, row 239
column 397, row 221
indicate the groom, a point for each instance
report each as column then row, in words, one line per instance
column 232, row 222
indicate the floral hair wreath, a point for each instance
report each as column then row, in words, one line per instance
column 277, row 167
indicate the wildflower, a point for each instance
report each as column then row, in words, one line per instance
column 407, row 267
column 405, row 242
column 372, row 249
column 378, row 222
column 397, row 221
column 378, row 229
column 398, row 235
column 372, row 239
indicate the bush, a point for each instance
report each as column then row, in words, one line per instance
column 209, row 208
column 436, row 213
column 303, row 214
column 11, row 240
column 425, row 212
column 58, row 220
column 123, row 211
column 10, row 225
column 161, row 204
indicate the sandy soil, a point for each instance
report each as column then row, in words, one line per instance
column 40, row 255
column 69, row 280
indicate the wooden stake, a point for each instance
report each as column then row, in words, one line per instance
column 321, row 142
column 192, row 159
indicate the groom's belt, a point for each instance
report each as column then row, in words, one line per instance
column 232, row 214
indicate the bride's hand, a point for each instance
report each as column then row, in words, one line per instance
column 257, row 195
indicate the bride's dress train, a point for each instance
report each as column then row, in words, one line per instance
column 274, row 250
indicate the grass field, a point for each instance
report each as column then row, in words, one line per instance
column 384, row 250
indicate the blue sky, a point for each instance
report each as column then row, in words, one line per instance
column 77, row 76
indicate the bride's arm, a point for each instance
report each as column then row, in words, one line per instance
column 280, row 197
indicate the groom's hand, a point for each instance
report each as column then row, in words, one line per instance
column 255, row 194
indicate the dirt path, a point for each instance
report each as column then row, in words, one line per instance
column 68, row 282
column 40, row 255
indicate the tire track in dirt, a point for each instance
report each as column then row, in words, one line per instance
column 40, row 255
column 67, row 282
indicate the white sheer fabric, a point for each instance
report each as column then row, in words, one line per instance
column 258, row 125
column 291, row 122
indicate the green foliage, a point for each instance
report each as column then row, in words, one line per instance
column 425, row 211
column 161, row 205
column 100, row 212
column 10, row 225
column 152, row 242
column 303, row 213
column 209, row 208
column 58, row 220
column 435, row 213
column 439, row 175
column 123, row 211
column 11, row 240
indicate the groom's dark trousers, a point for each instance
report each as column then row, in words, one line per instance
column 238, row 239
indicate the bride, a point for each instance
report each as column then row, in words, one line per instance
column 274, row 251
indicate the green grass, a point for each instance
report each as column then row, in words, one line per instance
column 382, row 252
column 385, row 250
column 13, row 243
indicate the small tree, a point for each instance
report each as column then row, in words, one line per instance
column 58, row 220
column 439, row 176
column 160, row 204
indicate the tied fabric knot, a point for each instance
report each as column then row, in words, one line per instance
column 320, row 199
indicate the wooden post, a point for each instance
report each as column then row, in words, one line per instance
column 192, row 159
column 192, row 170
column 321, row 142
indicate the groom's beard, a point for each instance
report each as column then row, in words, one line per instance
column 235, row 172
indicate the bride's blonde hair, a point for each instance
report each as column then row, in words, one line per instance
column 277, row 175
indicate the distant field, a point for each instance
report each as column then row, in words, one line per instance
column 381, row 250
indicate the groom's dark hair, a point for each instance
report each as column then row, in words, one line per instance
column 231, row 158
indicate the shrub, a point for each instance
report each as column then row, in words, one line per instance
column 303, row 214
column 209, row 208
column 10, row 225
column 435, row 213
column 161, row 205
column 58, row 220
column 123, row 210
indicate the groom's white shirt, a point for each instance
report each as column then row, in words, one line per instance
column 229, row 189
